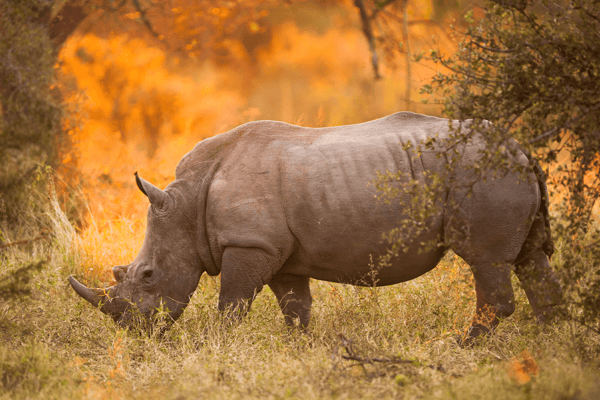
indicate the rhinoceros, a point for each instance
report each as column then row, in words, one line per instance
column 269, row 203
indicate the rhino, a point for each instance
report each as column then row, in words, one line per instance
column 269, row 203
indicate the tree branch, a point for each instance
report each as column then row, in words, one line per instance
column 41, row 236
column 566, row 125
column 144, row 18
column 491, row 48
column 407, row 84
column 368, row 31
column 352, row 356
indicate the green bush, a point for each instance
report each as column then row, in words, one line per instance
column 530, row 68
column 30, row 114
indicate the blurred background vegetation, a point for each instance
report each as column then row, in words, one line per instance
column 93, row 87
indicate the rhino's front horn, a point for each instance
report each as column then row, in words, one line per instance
column 92, row 296
column 158, row 198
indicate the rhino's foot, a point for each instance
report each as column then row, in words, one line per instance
column 543, row 289
column 293, row 295
column 473, row 336
column 295, row 325
column 547, row 315
column 232, row 314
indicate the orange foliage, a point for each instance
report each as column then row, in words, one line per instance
column 523, row 369
column 140, row 117
column 145, row 108
column 200, row 29
column 210, row 29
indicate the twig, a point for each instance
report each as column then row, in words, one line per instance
column 41, row 236
column 492, row 49
column 144, row 17
column 566, row 125
column 372, row 360
column 593, row 244
column 352, row 356
column 581, row 322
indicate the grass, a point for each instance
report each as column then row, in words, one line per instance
column 54, row 345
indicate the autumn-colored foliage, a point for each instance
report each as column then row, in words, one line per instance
column 523, row 368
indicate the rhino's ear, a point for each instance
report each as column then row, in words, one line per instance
column 157, row 197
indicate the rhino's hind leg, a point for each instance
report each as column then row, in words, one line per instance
column 495, row 298
column 293, row 295
column 540, row 284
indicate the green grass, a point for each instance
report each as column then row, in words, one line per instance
column 54, row 345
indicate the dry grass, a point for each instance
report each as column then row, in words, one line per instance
column 53, row 345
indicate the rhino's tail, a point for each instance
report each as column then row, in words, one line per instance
column 547, row 244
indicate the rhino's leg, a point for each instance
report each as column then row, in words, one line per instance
column 533, row 270
column 244, row 272
column 487, row 228
column 495, row 298
column 293, row 295
column 540, row 284
column 490, row 259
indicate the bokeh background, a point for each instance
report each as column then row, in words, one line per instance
column 141, row 95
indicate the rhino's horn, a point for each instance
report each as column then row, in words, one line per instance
column 92, row 296
column 157, row 197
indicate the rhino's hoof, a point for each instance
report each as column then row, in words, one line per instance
column 473, row 336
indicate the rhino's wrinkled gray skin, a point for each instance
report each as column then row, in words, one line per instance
column 274, row 204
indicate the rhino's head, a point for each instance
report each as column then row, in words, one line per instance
column 166, row 270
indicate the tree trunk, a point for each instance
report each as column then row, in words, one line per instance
column 368, row 31
column 408, row 77
column 63, row 24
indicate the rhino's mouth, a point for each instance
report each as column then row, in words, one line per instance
column 144, row 323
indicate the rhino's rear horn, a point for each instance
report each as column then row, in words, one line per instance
column 158, row 198
column 120, row 271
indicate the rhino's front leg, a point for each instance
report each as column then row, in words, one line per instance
column 293, row 295
column 244, row 272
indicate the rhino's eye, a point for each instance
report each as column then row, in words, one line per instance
column 147, row 274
